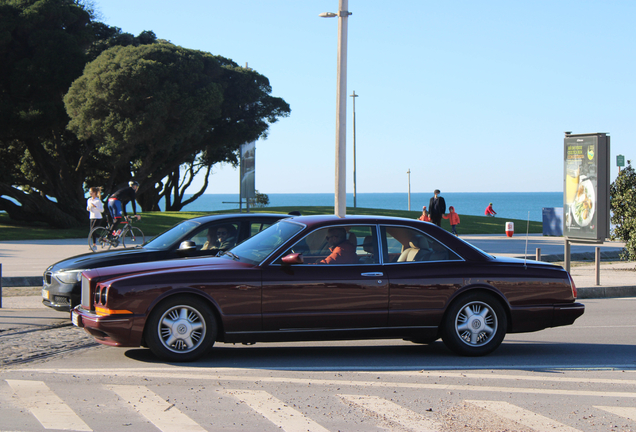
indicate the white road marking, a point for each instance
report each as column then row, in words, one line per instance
column 199, row 374
column 627, row 412
column 393, row 412
column 409, row 373
column 164, row 415
column 276, row 411
column 46, row 406
column 541, row 378
column 522, row 416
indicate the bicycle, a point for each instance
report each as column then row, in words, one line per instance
column 128, row 235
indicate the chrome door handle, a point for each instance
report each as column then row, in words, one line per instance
column 373, row 274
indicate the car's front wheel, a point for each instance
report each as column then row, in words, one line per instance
column 181, row 329
column 474, row 325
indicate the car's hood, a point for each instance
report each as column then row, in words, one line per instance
column 169, row 266
column 103, row 259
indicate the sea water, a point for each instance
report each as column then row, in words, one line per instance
column 508, row 205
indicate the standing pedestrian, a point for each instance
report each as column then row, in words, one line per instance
column 453, row 218
column 424, row 217
column 436, row 208
column 96, row 208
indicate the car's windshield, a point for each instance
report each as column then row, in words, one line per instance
column 255, row 249
column 168, row 238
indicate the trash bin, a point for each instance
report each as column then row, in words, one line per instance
column 510, row 228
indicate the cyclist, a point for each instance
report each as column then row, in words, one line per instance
column 117, row 204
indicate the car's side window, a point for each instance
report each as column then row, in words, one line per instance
column 409, row 245
column 339, row 245
column 200, row 238
column 216, row 237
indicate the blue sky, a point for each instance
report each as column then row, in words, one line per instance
column 470, row 96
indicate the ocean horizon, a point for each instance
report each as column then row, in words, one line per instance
column 508, row 205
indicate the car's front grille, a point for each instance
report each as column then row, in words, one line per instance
column 61, row 300
column 86, row 293
column 48, row 277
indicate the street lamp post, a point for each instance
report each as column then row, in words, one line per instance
column 340, row 205
column 409, row 176
column 354, row 96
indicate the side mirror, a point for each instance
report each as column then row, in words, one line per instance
column 187, row 245
column 293, row 258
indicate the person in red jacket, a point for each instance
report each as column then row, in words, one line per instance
column 425, row 217
column 490, row 211
column 342, row 252
column 453, row 218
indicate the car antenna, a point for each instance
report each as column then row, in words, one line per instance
column 525, row 255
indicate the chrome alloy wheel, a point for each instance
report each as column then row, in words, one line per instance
column 181, row 329
column 476, row 323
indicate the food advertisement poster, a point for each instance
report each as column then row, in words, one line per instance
column 586, row 187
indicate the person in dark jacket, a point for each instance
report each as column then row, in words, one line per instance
column 117, row 203
column 436, row 208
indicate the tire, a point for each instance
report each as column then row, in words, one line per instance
column 181, row 329
column 134, row 238
column 474, row 325
column 101, row 241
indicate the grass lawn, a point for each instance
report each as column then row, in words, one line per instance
column 153, row 223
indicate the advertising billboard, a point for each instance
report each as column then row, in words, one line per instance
column 247, row 167
column 586, row 187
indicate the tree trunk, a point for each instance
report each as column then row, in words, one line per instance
column 36, row 208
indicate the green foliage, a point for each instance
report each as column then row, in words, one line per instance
column 156, row 110
column 260, row 200
column 623, row 209
column 152, row 109
column 44, row 46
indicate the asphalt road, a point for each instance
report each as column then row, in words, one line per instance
column 575, row 378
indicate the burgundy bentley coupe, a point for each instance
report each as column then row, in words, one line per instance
column 327, row 278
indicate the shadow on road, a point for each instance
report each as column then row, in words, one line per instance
column 404, row 356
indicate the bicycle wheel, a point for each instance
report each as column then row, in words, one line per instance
column 133, row 238
column 101, row 239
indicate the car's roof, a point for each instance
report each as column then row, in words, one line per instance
column 310, row 220
column 213, row 217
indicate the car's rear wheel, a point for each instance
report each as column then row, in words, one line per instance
column 474, row 325
column 181, row 329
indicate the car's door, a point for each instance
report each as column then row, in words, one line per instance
column 316, row 295
column 423, row 274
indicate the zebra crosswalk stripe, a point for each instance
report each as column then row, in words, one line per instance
column 393, row 412
column 164, row 415
column 277, row 411
column 522, row 416
column 627, row 412
column 46, row 406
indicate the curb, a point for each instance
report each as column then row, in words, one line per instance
column 602, row 292
column 22, row 281
column 582, row 256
